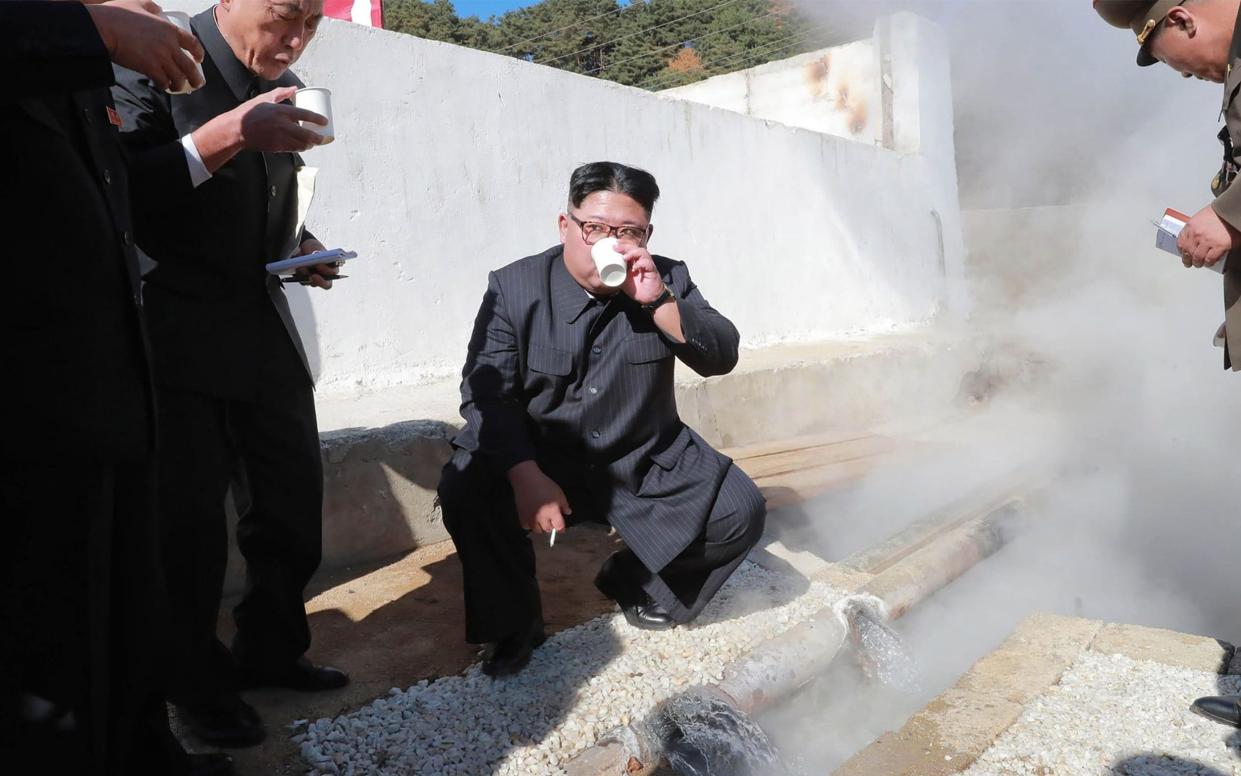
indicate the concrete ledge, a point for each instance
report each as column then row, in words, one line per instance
column 379, row 490
column 794, row 390
column 1164, row 646
column 954, row 730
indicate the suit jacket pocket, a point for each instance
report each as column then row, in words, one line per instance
column 646, row 348
column 550, row 361
column 668, row 457
column 679, row 471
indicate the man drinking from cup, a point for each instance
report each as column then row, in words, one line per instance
column 215, row 182
column 567, row 395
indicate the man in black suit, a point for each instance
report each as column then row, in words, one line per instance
column 567, row 395
column 80, row 585
column 235, row 391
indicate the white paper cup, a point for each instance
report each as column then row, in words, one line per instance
column 611, row 266
column 316, row 99
column 182, row 20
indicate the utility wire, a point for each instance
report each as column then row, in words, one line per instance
column 771, row 47
column 674, row 45
column 671, row 80
column 540, row 36
column 794, row 39
column 633, row 34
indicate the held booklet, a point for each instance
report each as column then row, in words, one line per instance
column 1170, row 227
column 335, row 255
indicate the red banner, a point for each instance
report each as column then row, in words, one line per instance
column 368, row 12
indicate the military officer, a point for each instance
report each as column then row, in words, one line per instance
column 1202, row 39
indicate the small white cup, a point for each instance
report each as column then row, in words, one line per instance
column 611, row 266
column 182, row 20
column 316, row 99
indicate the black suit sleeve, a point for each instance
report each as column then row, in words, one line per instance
column 711, row 340
column 49, row 47
column 491, row 388
column 159, row 178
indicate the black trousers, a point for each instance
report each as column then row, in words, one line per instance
column 83, row 619
column 207, row 443
column 497, row 556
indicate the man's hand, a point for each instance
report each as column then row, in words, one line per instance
column 1206, row 239
column 264, row 124
column 258, row 124
column 319, row 276
column 643, row 283
column 138, row 38
column 541, row 504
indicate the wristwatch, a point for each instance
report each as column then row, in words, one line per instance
column 664, row 296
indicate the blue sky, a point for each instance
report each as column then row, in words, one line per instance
column 485, row 8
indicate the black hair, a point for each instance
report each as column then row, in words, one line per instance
column 610, row 176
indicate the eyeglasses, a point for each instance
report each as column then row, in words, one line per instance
column 594, row 231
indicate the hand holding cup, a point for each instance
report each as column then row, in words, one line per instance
column 137, row 38
column 642, row 282
column 317, row 100
column 182, row 22
column 266, row 124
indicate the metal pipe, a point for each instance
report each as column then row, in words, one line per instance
column 781, row 665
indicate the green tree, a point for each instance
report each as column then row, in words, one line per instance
column 438, row 20
column 648, row 43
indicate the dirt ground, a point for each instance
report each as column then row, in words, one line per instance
column 401, row 622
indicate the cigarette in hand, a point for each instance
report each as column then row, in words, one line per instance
column 552, row 541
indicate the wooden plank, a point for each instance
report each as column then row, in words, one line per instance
column 792, row 444
column 808, row 441
column 812, row 457
column 803, row 485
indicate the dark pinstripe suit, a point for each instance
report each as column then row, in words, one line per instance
column 584, row 386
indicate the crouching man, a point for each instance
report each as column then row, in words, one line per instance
column 567, row 395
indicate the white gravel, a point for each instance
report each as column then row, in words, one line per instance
column 582, row 683
column 1114, row 715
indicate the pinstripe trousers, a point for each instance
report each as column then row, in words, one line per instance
column 497, row 557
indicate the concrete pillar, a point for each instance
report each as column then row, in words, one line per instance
column 916, row 95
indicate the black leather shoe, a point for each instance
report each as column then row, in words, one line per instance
column 509, row 655
column 301, row 675
column 1225, row 709
column 231, row 723
column 209, row 764
column 648, row 616
column 639, row 610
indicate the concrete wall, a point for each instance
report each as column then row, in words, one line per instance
column 834, row 91
column 892, row 90
column 450, row 162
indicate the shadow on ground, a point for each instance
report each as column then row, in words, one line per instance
column 396, row 623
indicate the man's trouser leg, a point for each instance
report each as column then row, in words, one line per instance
column 280, row 533
column 497, row 557
column 686, row 585
column 196, row 462
column 83, row 617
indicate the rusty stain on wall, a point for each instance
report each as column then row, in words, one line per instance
column 857, row 117
column 819, row 77
column 816, row 72
column 828, row 91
